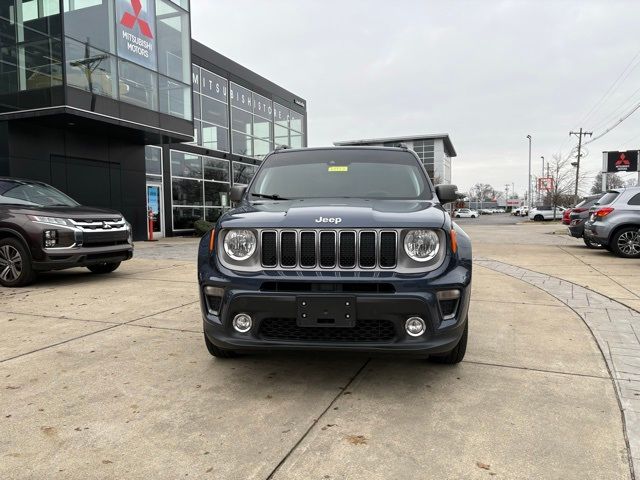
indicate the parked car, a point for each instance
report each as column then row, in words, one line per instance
column 486, row 211
column 520, row 212
column 465, row 213
column 43, row 229
column 565, row 216
column 614, row 222
column 579, row 215
column 300, row 266
column 538, row 214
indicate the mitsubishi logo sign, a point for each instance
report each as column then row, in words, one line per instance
column 135, row 31
column 129, row 20
column 620, row 161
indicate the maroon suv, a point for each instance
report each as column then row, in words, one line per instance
column 42, row 229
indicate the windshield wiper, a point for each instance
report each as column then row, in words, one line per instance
column 274, row 196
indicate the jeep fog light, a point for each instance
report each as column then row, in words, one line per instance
column 415, row 326
column 242, row 323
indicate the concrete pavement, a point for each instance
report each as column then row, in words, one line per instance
column 108, row 377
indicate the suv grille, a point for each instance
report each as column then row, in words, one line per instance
column 328, row 249
column 364, row 331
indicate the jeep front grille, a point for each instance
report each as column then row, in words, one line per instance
column 329, row 249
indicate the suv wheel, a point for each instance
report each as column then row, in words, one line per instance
column 105, row 267
column 457, row 354
column 217, row 351
column 590, row 243
column 15, row 264
column 626, row 242
column 538, row 218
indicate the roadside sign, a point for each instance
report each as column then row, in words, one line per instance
column 545, row 183
column 513, row 202
column 621, row 161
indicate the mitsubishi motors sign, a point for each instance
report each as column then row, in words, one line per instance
column 135, row 31
column 621, row 161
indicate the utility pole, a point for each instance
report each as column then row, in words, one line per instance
column 579, row 134
column 540, row 187
column 529, row 186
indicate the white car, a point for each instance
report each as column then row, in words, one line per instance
column 538, row 214
column 465, row 213
column 520, row 211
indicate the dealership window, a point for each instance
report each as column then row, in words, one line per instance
column 39, row 64
column 92, row 22
column 173, row 39
column 243, row 173
column 175, row 98
column 138, row 85
column 210, row 110
column 90, row 69
column 200, row 188
column 251, row 123
column 288, row 127
column 153, row 161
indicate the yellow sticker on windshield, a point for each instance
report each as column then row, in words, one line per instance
column 338, row 169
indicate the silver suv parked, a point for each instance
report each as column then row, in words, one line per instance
column 615, row 222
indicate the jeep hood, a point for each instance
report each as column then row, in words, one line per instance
column 352, row 213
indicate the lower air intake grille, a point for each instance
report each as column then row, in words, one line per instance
column 364, row 331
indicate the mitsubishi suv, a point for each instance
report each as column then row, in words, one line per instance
column 614, row 222
column 42, row 229
column 340, row 249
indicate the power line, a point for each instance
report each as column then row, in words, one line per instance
column 620, row 120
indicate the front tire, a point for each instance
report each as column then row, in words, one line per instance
column 102, row 268
column 538, row 218
column 217, row 351
column 15, row 264
column 457, row 216
column 626, row 242
column 457, row 354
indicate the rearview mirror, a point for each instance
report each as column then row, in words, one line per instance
column 236, row 193
column 447, row 193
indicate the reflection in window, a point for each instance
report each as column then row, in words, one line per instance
column 186, row 192
column 186, row 165
column 215, row 138
column 40, row 65
column 216, row 169
column 153, row 160
column 241, row 121
column 212, row 214
column 214, row 111
column 243, row 173
column 184, row 218
column 261, row 128
column 90, row 69
column 260, row 148
column 91, row 21
column 175, row 98
column 174, row 52
column 215, row 194
column 281, row 136
column 138, row 85
column 296, row 140
column 242, row 144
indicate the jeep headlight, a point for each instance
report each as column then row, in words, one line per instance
column 240, row 244
column 421, row 245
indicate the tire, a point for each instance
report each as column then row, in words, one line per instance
column 457, row 354
column 538, row 218
column 591, row 243
column 473, row 216
column 101, row 268
column 217, row 351
column 457, row 216
column 625, row 242
column 15, row 264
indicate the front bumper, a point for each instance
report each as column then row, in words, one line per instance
column 62, row 258
column 382, row 301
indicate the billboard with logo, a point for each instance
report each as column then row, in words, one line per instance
column 135, row 32
column 621, row 161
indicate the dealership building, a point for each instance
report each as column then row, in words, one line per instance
column 435, row 151
column 113, row 103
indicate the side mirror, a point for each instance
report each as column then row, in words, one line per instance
column 236, row 193
column 447, row 193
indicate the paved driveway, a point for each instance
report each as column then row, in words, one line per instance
column 108, row 377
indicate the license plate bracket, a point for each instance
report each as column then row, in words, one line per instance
column 326, row 311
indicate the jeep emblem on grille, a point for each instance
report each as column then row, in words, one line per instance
column 335, row 220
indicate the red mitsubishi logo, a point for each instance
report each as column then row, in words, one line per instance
column 129, row 20
column 623, row 160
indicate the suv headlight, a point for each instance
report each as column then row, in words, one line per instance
column 240, row 244
column 50, row 220
column 421, row 245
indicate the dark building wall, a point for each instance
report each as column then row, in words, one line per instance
column 96, row 169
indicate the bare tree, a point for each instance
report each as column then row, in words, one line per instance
column 613, row 181
column 563, row 181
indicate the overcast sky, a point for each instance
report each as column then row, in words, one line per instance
column 486, row 72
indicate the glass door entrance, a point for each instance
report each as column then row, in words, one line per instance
column 155, row 203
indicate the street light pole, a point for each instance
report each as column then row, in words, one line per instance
column 529, row 186
column 540, row 187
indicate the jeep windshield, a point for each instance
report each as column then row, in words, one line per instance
column 35, row 194
column 374, row 174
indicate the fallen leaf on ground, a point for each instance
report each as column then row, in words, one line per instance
column 356, row 439
column 483, row 465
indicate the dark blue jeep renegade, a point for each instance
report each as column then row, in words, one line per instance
column 337, row 249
